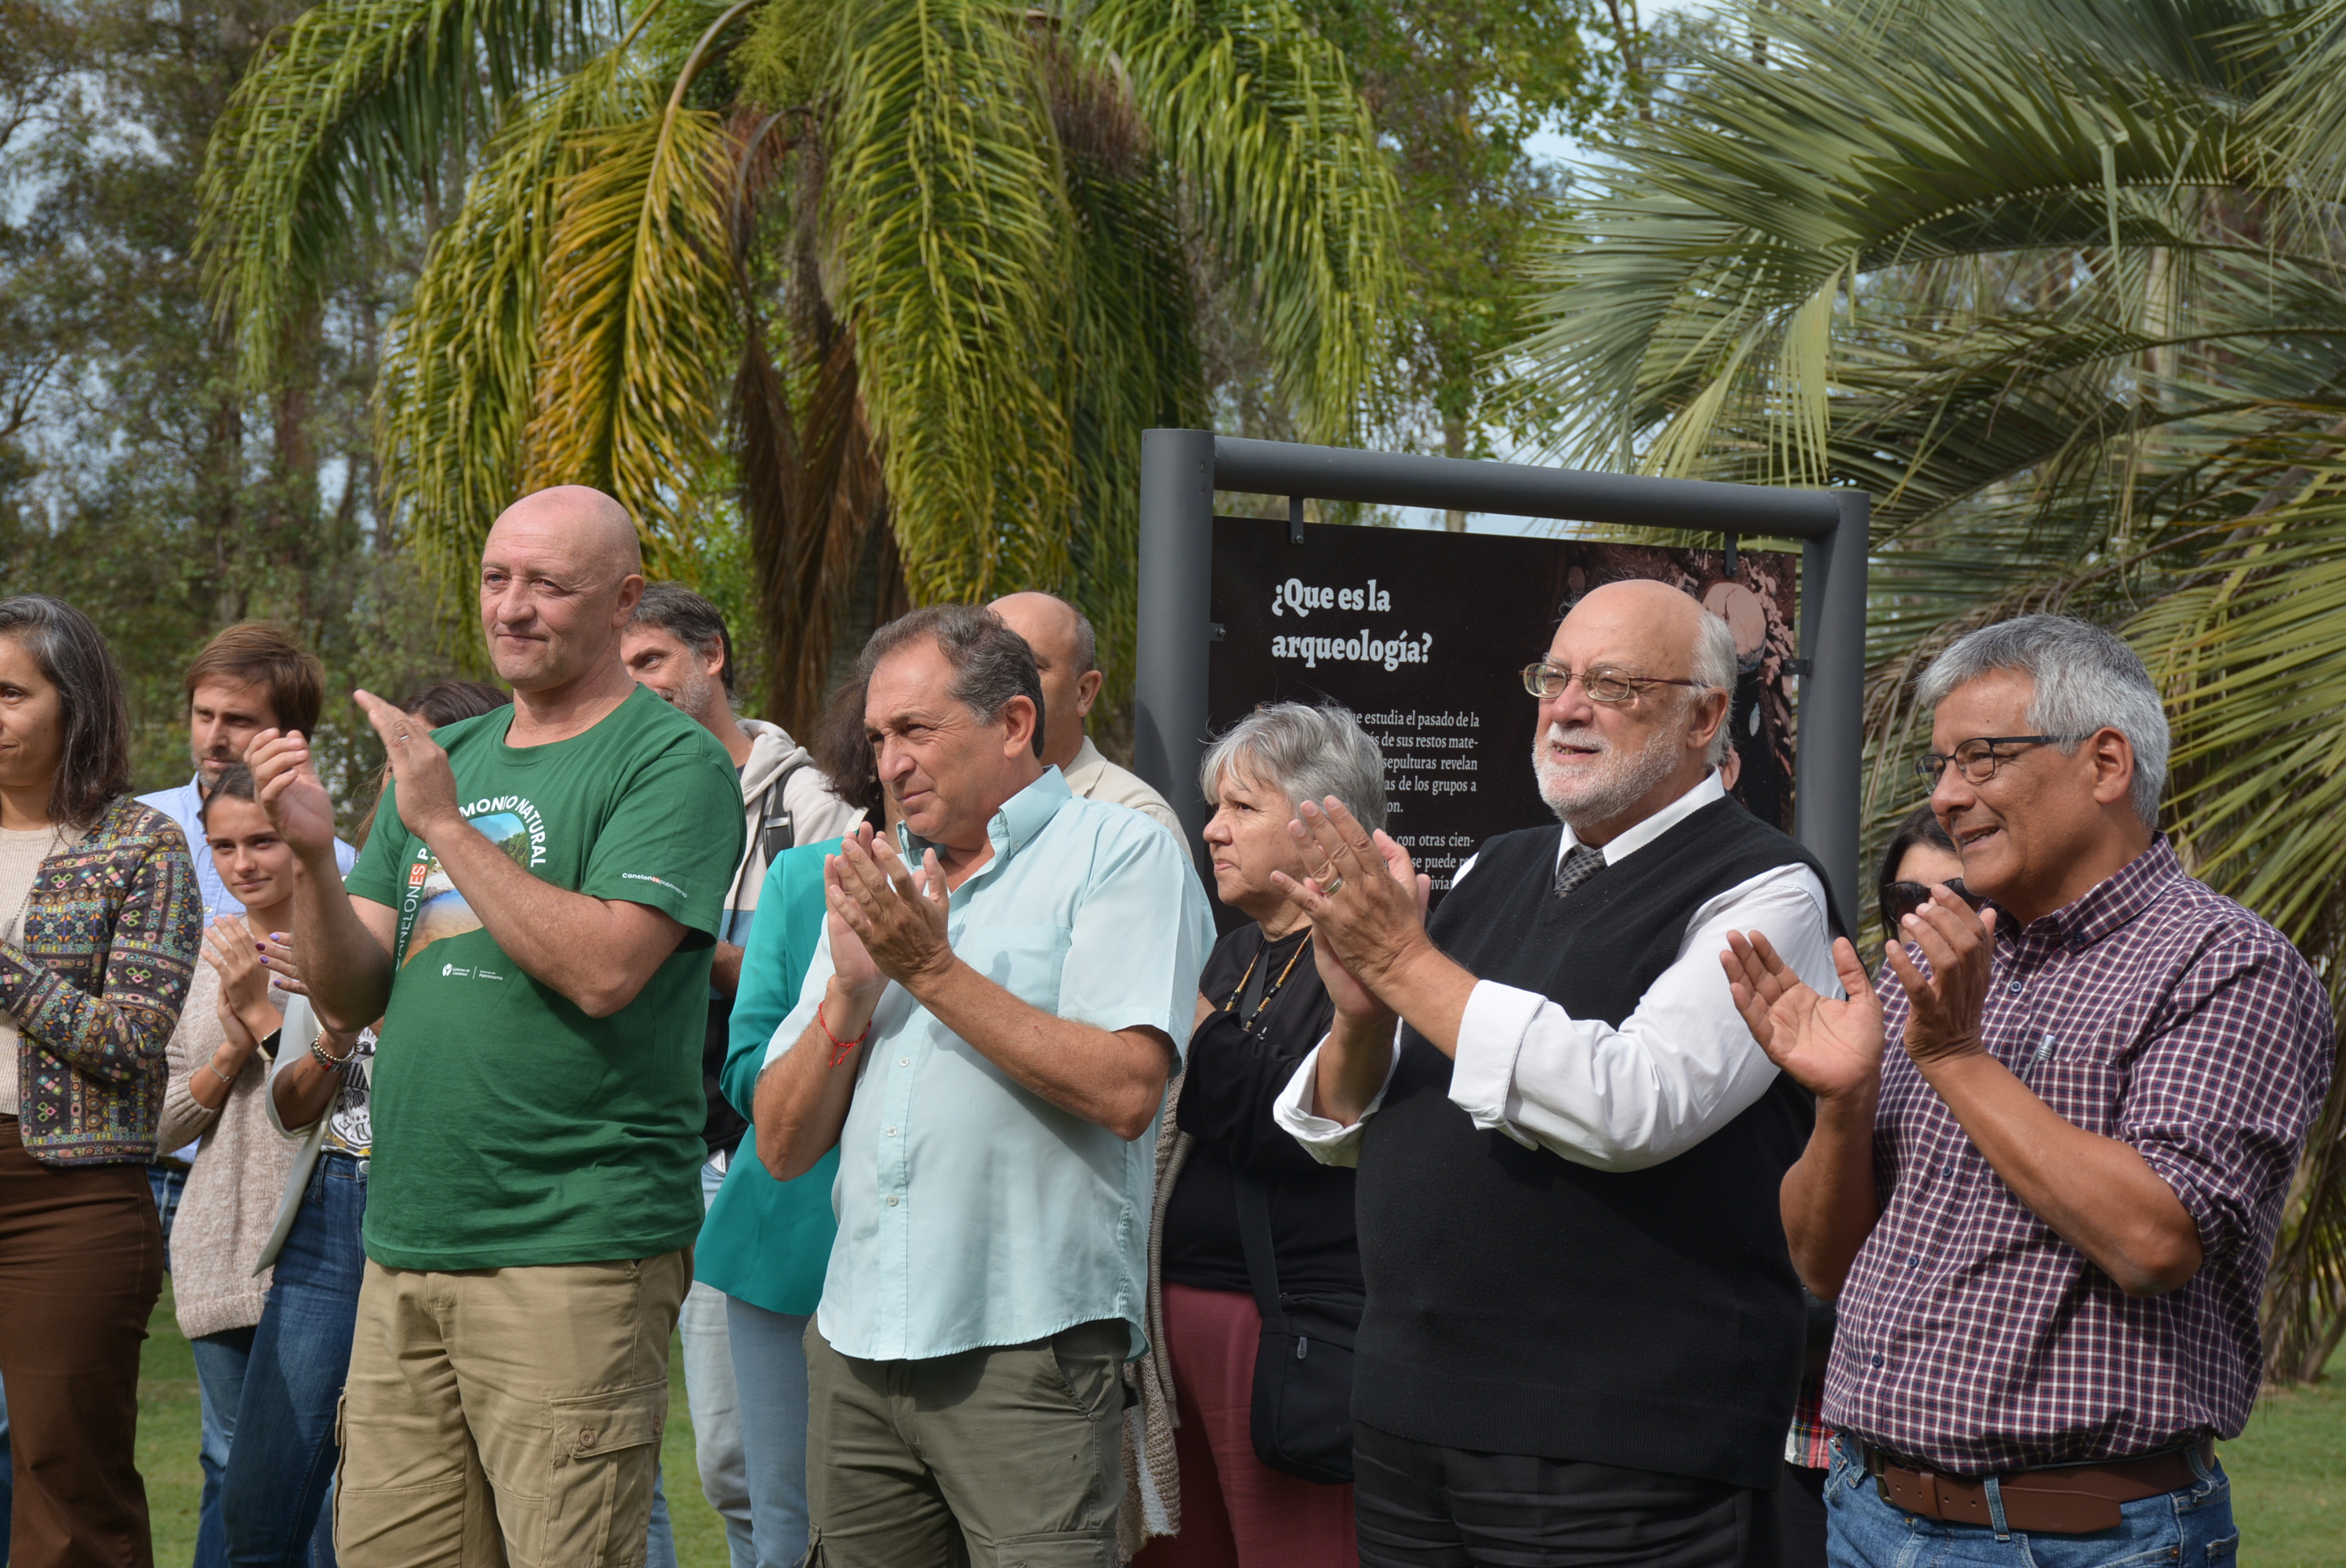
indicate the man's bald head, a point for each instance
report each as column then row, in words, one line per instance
column 561, row 573
column 1065, row 653
column 596, row 527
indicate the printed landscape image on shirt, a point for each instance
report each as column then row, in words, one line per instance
column 440, row 911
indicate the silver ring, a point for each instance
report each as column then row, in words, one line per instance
column 402, row 736
column 1332, row 888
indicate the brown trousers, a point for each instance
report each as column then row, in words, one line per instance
column 81, row 1262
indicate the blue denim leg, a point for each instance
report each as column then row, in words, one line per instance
column 2187, row 1528
column 770, row 1363
column 164, row 1182
column 220, row 1362
column 659, row 1540
column 278, row 1472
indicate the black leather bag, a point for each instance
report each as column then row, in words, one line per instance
column 1302, row 1415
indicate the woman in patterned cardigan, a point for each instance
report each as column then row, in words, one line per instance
column 100, row 926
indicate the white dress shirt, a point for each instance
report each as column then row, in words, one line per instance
column 1680, row 1066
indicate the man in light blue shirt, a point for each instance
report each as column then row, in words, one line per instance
column 986, row 1036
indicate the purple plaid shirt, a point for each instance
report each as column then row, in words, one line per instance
column 1971, row 1337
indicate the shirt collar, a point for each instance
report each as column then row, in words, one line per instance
column 2110, row 904
column 1629, row 842
column 1017, row 820
column 1086, row 761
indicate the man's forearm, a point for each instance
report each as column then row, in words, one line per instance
column 801, row 1099
column 348, row 971
column 571, row 941
column 1355, row 1062
column 1111, row 1079
column 1429, row 990
column 1828, row 1197
column 2097, row 1193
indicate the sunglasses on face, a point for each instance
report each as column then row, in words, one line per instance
column 1899, row 899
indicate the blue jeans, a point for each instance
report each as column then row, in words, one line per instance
column 283, row 1464
column 2189, row 1528
column 769, row 1365
column 220, row 1362
column 166, row 1181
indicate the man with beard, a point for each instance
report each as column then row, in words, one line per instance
column 1583, row 1333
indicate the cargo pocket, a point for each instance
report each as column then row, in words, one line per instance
column 1059, row 1549
column 598, row 1501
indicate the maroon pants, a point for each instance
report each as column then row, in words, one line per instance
column 81, row 1262
column 1236, row 1510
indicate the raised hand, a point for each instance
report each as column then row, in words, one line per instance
column 427, row 785
column 1830, row 1048
column 1946, row 1003
column 1364, row 898
column 235, row 957
column 901, row 924
column 286, row 784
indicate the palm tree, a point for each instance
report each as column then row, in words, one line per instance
column 848, row 270
column 2061, row 283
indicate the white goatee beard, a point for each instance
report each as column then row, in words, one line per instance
column 1622, row 779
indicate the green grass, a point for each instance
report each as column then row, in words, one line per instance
column 2287, row 1469
column 171, row 1428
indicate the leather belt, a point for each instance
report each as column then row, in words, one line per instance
column 2068, row 1499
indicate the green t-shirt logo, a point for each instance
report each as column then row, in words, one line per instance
column 433, row 910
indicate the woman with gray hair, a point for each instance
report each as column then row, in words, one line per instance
column 1225, row 1168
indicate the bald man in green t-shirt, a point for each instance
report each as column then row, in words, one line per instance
column 532, row 918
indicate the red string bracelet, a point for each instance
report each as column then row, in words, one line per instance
column 839, row 1048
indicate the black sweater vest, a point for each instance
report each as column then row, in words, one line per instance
column 1519, row 1303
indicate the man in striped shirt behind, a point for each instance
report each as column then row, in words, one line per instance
column 2046, row 1207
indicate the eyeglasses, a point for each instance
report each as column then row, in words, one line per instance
column 1899, row 899
column 1979, row 758
column 1610, row 687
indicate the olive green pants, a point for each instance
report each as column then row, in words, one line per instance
column 1005, row 1457
column 503, row 1417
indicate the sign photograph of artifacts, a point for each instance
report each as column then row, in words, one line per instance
column 1424, row 636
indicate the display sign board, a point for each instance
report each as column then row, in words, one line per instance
column 1424, row 636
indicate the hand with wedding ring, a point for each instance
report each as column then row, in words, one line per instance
column 1366, row 900
column 427, row 784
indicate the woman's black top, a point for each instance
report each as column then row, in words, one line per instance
column 1233, row 1076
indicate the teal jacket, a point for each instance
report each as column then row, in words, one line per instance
column 765, row 1241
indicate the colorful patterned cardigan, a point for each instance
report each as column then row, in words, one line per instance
column 110, row 938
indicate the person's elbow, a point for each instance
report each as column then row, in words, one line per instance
column 2160, row 1264
column 603, row 994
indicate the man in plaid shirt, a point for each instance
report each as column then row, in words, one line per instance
column 2047, row 1209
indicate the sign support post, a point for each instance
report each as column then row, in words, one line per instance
column 1181, row 470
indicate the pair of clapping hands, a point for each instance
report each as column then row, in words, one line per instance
column 246, row 968
column 885, row 922
column 1833, row 1048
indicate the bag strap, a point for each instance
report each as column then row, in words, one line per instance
column 1254, row 1237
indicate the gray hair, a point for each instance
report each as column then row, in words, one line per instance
column 2085, row 679
column 1712, row 662
column 991, row 663
column 1305, row 753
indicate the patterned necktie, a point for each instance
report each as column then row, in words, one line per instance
column 1580, row 864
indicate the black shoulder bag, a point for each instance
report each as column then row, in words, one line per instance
column 1302, row 1417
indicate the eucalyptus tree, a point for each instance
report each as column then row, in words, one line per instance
column 2060, row 283
column 831, row 267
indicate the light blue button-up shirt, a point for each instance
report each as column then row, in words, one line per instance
column 183, row 806
column 972, row 1211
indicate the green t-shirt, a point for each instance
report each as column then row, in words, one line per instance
column 509, row 1126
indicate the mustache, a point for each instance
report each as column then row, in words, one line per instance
column 1561, row 734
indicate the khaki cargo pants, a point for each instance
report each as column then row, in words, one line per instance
column 506, row 1417
column 1008, row 1457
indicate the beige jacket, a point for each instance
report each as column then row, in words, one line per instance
column 1095, row 777
column 1152, row 1476
column 231, row 1202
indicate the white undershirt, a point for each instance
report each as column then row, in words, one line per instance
column 22, row 850
column 1680, row 1066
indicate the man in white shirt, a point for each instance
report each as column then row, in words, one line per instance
column 1066, row 653
column 1583, row 1333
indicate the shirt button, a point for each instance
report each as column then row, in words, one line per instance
column 891, row 1200
column 903, row 1061
column 2014, row 988
column 891, row 1131
column 1877, row 1360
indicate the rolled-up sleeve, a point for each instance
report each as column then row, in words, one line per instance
column 2219, row 1098
column 1330, row 1141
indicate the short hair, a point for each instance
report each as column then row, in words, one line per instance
column 94, row 763
column 690, row 618
column 264, row 653
column 1306, row 753
column 991, row 663
column 2085, row 679
column 1921, row 826
column 842, row 749
column 1712, row 662
column 448, row 701
column 235, row 783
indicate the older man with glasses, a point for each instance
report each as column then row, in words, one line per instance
column 2052, row 1144
column 1583, row 1334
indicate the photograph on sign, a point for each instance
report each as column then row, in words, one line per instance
column 1425, row 636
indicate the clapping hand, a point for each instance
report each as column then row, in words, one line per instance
column 1830, row 1048
column 1365, row 899
column 286, row 784
column 427, row 785
column 1945, row 1005
column 235, row 957
column 898, row 925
